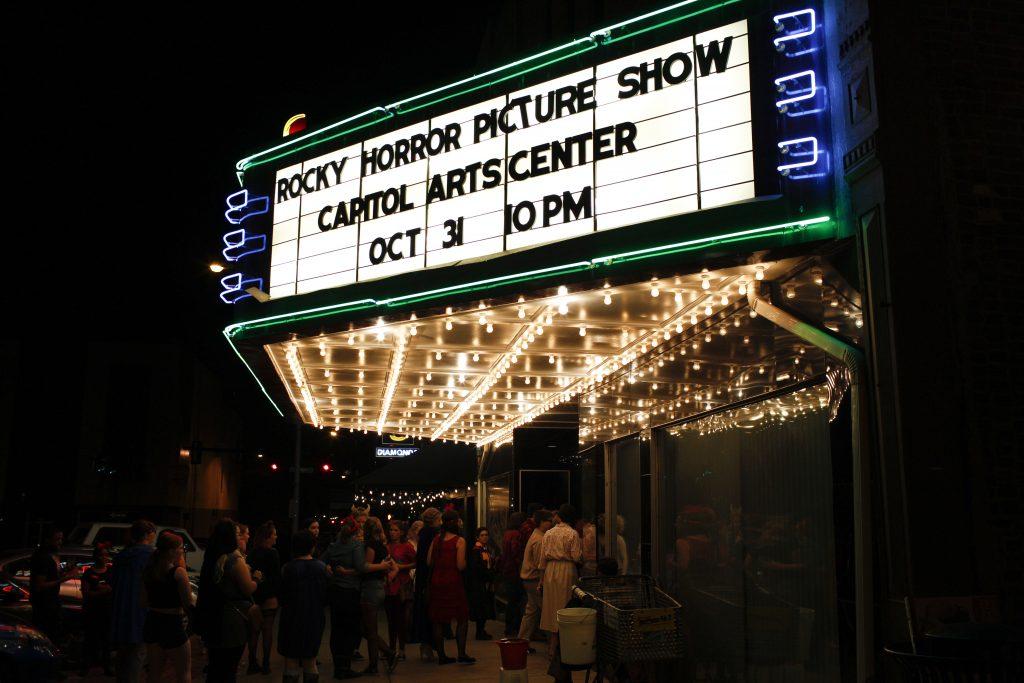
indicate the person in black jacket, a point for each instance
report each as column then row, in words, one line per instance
column 422, row 627
column 303, row 594
column 265, row 559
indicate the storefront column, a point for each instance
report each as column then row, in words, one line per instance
column 610, row 500
column 863, row 549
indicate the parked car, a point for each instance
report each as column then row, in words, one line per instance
column 25, row 653
column 16, row 566
column 88, row 534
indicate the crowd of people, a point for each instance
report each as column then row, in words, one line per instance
column 426, row 576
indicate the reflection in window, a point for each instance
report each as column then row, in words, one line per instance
column 747, row 539
column 626, row 549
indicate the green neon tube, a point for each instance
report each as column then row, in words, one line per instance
column 480, row 81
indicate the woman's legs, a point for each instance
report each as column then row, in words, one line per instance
column 402, row 611
column 223, row 666
column 181, row 661
column 392, row 604
column 255, row 628
column 154, row 662
column 438, row 630
column 269, row 613
column 374, row 643
column 461, row 631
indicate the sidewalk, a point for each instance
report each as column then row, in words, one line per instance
column 484, row 670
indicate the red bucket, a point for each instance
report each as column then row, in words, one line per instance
column 513, row 653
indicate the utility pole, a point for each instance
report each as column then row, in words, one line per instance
column 297, row 473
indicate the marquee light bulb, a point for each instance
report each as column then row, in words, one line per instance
column 563, row 309
column 437, row 355
column 476, row 357
column 551, row 360
column 696, row 365
column 482, row 319
column 583, row 330
column 707, row 310
column 654, row 289
column 490, row 328
column 693, row 318
column 705, row 282
column 412, row 331
column 607, row 299
column 351, row 339
column 790, row 292
column 725, row 299
column 679, row 328
column 759, row 273
column 448, row 325
column 562, row 290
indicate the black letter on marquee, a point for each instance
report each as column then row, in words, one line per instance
column 671, row 78
column 720, row 56
column 625, row 137
column 552, row 204
column 571, row 208
column 380, row 246
column 484, row 123
column 324, row 227
column 392, row 254
column 411, row 234
column 454, row 232
column 282, row 190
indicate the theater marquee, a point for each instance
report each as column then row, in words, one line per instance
column 660, row 132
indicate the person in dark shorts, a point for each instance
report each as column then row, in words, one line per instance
column 303, row 595
column 168, row 594
column 371, row 594
column 97, row 599
column 265, row 559
column 44, row 583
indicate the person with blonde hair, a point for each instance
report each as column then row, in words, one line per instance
column 560, row 554
column 371, row 594
column 167, row 595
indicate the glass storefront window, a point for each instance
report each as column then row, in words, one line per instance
column 629, row 515
column 747, row 541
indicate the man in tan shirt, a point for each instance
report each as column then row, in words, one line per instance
column 531, row 574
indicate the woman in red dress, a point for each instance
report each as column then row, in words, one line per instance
column 447, row 600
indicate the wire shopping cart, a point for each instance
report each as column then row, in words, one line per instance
column 636, row 621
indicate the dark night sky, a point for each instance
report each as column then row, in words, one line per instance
column 131, row 137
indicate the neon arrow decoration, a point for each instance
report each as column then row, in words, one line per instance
column 241, row 206
column 240, row 244
column 235, row 286
column 797, row 149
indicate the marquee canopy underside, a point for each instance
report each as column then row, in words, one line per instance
column 610, row 357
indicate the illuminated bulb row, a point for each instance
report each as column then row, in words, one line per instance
column 395, row 373
column 292, row 356
column 507, row 359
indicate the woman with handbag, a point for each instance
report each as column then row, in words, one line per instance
column 225, row 590
column 398, row 591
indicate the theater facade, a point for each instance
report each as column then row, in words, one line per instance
column 624, row 269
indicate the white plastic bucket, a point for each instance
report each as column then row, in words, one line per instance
column 577, row 629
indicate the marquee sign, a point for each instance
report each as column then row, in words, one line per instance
column 661, row 132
